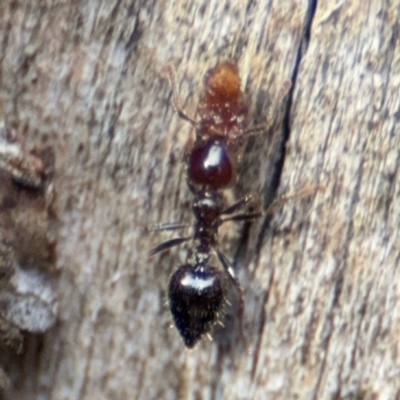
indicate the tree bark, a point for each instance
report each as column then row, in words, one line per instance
column 320, row 276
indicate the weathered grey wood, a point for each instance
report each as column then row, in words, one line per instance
column 321, row 282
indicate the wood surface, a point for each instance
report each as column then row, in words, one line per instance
column 321, row 276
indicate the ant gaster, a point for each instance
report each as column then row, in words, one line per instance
column 197, row 290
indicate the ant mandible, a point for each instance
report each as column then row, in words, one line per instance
column 197, row 290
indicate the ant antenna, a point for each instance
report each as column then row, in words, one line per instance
column 176, row 103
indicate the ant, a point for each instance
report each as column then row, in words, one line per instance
column 197, row 290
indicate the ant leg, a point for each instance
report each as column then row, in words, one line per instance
column 240, row 311
column 175, row 95
column 307, row 191
column 168, row 226
column 242, row 203
column 168, row 244
column 256, row 130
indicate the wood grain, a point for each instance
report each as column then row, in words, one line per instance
column 321, row 278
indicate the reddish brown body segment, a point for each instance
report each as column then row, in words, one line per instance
column 222, row 107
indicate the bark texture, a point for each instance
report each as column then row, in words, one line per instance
column 321, row 277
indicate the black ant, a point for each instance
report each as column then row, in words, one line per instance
column 197, row 290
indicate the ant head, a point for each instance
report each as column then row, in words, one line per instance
column 211, row 164
column 196, row 296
